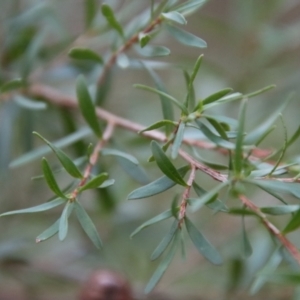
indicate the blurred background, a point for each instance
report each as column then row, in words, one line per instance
column 251, row 44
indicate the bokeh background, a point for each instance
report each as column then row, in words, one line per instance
column 251, row 44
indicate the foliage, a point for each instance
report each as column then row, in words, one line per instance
column 188, row 125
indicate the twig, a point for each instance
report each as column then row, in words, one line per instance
column 272, row 228
column 93, row 159
column 185, row 196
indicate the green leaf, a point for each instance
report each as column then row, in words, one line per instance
column 51, row 179
column 167, row 107
column 163, row 216
column 156, row 187
column 144, row 39
column 38, row 208
column 175, row 17
column 165, row 164
column 27, row 103
column 189, row 7
column 85, row 54
column 208, row 196
column 154, row 51
column 12, row 85
column 108, row 13
column 91, row 8
column 166, row 96
column 293, row 224
column 215, row 203
column 95, row 182
column 43, row 150
column 162, row 246
column 211, row 164
column 280, row 209
column 291, row 188
column 119, row 153
column 159, row 124
column 63, row 222
column 218, row 127
column 66, row 162
column 107, row 183
column 241, row 212
column 238, row 154
column 86, row 106
column 225, row 99
column 87, row 225
column 270, row 267
column 186, row 38
column 178, row 140
column 202, row 244
column 213, row 137
column 246, row 246
column 48, row 233
column 216, row 96
column 255, row 135
column 162, row 267
column 190, row 101
column 136, row 172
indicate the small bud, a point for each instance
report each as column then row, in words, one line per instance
column 106, row 285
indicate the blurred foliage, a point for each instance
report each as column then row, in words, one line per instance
column 251, row 44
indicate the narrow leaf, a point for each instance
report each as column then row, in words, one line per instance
column 110, row 18
column 90, row 12
column 175, row 17
column 216, row 96
column 246, row 246
column 270, row 268
column 27, row 103
column 158, row 186
column 38, row 208
column 208, row 196
column 51, row 180
column 165, row 164
column 87, row 225
column 85, row 54
column 163, row 216
column 218, row 127
column 159, row 124
column 154, row 51
column 12, row 85
column 256, row 134
column 167, row 108
column 43, row 150
column 189, row 7
column 106, row 184
column 178, row 140
column 293, row 224
column 186, row 38
column 144, row 39
column 135, row 171
column 291, row 188
column 166, row 96
column 119, row 153
column 202, row 244
column 190, row 97
column 161, row 269
column 214, row 138
column 95, row 182
column 280, row 209
column 67, row 163
column 63, row 222
column 162, row 246
column 48, row 233
column 238, row 154
column 86, row 105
